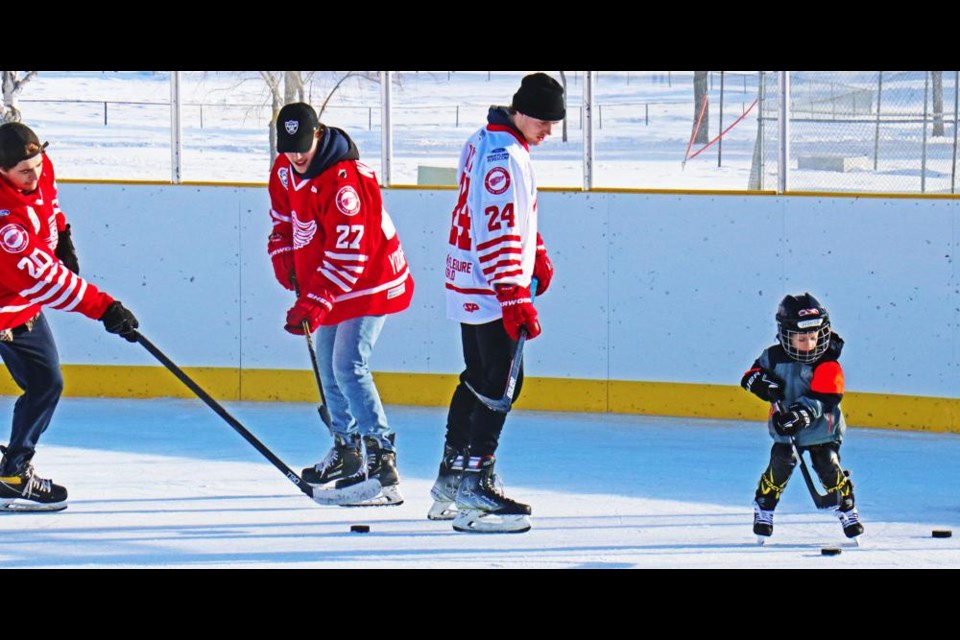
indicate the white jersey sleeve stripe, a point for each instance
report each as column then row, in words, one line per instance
column 332, row 277
column 79, row 298
column 68, row 291
column 348, row 257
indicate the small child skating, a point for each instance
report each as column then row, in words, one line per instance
column 803, row 378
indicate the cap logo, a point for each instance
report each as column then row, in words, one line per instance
column 808, row 312
column 808, row 324
column 291, row 126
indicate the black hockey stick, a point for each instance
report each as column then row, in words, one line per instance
column 828, row 501
column 322, row 407
column 355, row 493
column 504, row 404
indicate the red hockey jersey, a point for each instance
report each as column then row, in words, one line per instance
column 31, row 275
column 347, row 254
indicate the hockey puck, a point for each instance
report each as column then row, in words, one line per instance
column 942, row 533
column 360, row 528
column 830, row 551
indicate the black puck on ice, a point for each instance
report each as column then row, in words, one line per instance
column 360, row 528
column 942, row 533
column 830, row 551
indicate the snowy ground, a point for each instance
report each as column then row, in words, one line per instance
column 168, row 484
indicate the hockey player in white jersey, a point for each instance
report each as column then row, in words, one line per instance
column 493, row 255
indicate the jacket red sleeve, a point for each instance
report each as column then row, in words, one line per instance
column 281, row 235
column 36, row 275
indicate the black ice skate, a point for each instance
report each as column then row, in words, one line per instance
column 762, row 523
column 382, row 467
column 481, row 505
column 343, row 460
column 26, row 491
column 444, row 490
column 850, row 521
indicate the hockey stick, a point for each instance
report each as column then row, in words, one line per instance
column 322, row 407
column 355, row 493
column 828, row 501
column 504, row 404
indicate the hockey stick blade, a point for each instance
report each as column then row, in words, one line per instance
column 504, row 404
column 359, row 492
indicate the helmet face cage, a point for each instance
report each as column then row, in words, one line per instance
column 801, row 315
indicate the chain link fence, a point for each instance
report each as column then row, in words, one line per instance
column 861, row 131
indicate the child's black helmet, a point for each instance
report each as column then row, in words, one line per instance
column 803, row 314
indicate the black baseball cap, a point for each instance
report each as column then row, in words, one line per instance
column 297, row 125
column 18, row 142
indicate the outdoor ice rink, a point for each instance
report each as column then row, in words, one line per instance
column 169, row 484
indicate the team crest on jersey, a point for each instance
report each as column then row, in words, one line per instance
column 13, row 238
column 291, row 126
column 303, row 231
column 470, row 307
column 284, row 175
column 497, row 180
column 348, row 201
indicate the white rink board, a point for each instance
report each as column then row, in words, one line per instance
column 649, row 287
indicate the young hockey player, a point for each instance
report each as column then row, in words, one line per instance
column 802, row 375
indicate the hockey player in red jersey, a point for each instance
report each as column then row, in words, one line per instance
column 333, row 236
column 494, row 253
column 38, row 268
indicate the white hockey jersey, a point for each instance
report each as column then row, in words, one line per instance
column 493, row 231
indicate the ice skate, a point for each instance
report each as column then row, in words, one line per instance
column 762, row 523
column 444, row 490
column 26, row 491
column 381, row 465
column 850, row 521
column 343, row 460
column 481, row 505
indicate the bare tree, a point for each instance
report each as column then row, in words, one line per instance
column 937, row 77
column 699, row 99
column 13, row 84
column 563, row 79
column 290, row 86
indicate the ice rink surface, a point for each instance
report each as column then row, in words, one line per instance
column 169, row 484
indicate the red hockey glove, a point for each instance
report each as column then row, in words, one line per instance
column 518, row 311
column 281, row 254
column 306, row 309
column 542, row 267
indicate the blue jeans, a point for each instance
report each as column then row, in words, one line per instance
column 34, row 364
column 343, row 352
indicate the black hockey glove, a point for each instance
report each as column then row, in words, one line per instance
column 764, row 385
column 67, row 252
column 792, row 421
column 118, row 319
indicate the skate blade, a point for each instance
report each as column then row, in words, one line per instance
column 478, row 522
column 388, row 497
column 354, row 493
column 16, row 506
column 442, row 510
column 762, row 540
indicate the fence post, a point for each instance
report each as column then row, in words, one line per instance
column 876, row 135
column 720, row 141
column 923, row 150
column 646, row 113
column 956, row 120
column 458, row 115
column 104, row 113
